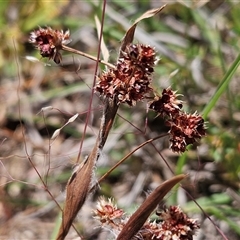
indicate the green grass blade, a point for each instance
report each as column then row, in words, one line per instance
column 58, row 222
column 222, row 87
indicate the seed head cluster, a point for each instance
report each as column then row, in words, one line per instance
column 172, row 224
column 167, row 104
column 49, row 42
column 185, row 128
column 108, row 214
column 130, row 81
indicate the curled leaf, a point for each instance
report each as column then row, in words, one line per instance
column 128, row 38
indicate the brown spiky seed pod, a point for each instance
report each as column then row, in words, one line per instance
column 49, row 42
column 130, row 81
column 185, row 129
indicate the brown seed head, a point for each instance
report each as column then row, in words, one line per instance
column 107, row 212
column 174, row 224
column 185, row 129
column 49, row 42
column 130, row 80
column 167, row 104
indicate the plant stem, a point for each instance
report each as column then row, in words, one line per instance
column 72, row 50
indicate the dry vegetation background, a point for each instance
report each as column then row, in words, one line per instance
column 196, row 43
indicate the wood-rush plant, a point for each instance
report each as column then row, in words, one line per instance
column 128, row 81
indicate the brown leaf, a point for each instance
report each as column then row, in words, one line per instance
column 79, row 183
column 128, row 38
column 137, row 220
column 77, row 191
column 109, row 114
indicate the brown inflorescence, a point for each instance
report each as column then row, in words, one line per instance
column 171, row 224
column 108, row 214
column 130, row 80
column 49, row 42
column 174, row 224
column 167, row 104
column 185, row 129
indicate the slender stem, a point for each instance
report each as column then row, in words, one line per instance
column 125, row 158
column 72, row 50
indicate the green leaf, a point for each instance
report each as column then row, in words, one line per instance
column 222, row 87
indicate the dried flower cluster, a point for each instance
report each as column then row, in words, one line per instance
column 49, row 42
column 172, row 224
column 167, row 104
column 130, row 80
column 109, row 215
column 185, row 128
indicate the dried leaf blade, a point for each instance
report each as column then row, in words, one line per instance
column 128, row 38
column 149, row 13
column 77, row 191
column 137, row 220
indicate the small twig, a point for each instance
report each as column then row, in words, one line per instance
column 72, row 50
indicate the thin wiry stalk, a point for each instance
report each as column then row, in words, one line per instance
column 125, row 158
column 72, row 50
